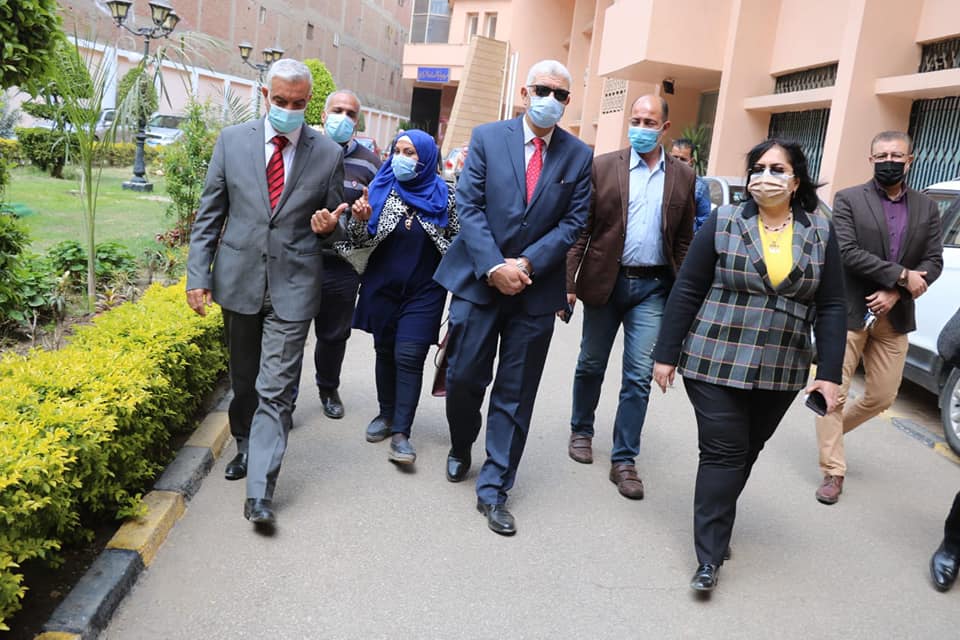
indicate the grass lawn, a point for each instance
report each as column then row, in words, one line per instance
column 55, row 212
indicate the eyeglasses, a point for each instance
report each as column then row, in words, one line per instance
column 542, row 91
column 896, row 156
column 757, row 172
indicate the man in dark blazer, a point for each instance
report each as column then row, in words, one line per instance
column 892, row 250
column 273, row 188
column 640, row 225
column 522, row 199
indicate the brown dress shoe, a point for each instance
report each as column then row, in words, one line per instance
column 624, row 475
column 580, row 448
column 829, row 492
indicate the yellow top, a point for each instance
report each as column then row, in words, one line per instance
column 777, row 252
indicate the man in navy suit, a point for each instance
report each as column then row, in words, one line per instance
column 522, row 199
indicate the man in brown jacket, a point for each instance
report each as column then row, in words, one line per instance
column 622, row 266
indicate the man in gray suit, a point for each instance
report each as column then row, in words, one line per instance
column 273, row 192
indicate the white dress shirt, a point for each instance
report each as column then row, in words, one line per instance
column 288, row 151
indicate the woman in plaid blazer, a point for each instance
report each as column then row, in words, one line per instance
column 737, row 326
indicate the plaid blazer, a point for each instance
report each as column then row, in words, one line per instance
column 749, row 334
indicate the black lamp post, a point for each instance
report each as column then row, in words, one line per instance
column 165, row 21
column 270, row 56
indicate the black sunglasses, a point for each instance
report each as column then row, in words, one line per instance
column 542, row 92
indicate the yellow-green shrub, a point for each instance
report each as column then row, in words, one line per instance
column 11, row 152
column 84, row 430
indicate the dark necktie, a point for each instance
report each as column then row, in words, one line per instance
column 275, row 171
column 534, row 167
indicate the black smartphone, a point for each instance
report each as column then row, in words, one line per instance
column 817, row 403
column 567, row 313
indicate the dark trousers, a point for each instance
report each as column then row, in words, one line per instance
column 476, row 331
column 332, row 325
column 399, row 373
column 733, row 425
column 951, row 528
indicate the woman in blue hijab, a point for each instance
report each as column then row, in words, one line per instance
column 400, row 228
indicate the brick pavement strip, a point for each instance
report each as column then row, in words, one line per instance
column 90, row 604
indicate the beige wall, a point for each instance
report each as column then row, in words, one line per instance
column 552, row 19
column 746, row 72
column 938, row 19
column 872, row 46
column 809, row 34
column 462, row 8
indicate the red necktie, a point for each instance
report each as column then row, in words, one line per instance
column 534, row 167
column 275, row 171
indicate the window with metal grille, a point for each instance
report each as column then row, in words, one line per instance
column 614, row 95
column 938, row 56
column 935, row 129
column 815, row 78
column 806, row 128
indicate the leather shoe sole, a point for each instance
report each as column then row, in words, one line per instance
column 237, row 468
column 498, row 518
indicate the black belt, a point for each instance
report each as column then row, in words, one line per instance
column 644, row 272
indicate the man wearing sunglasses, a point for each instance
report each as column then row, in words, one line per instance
column 639, row 228
column 892, row 251
column 522, row 199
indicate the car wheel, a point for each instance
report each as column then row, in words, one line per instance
column 950, row 410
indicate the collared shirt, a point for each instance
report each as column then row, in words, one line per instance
column 643, row 245
column 288, row 151
column 529, row 147
column 895, row 213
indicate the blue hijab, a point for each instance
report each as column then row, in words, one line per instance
column 427, row 193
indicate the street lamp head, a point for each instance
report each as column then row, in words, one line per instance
column 245, row 49
column 159, row 12
column 118, row 10
column 171, row 22
column 277, row 54
column 267, row 56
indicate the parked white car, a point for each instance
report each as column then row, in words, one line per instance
column 924, row 366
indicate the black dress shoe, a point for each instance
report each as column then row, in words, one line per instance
column 457, row 466
column 259, row 511
column 705, row 579
column 498, row 518
column 943, row 568
column 379, row 429
column 236, row 468
column 332, row 405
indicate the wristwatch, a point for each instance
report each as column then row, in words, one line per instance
column 902, row 280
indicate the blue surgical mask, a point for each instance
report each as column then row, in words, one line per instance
column 339, row 127
column 285, row 120
column 545, row 112
column 404, row 168
column 643, row 140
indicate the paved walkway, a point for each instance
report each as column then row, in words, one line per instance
column 364, row 550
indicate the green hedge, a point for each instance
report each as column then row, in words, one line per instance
column 85, row 430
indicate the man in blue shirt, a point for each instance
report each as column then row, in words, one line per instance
column 684, row 150
column 622, row 267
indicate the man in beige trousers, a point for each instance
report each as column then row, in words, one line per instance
column 892, row 251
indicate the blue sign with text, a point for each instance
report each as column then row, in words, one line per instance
column 433, row 74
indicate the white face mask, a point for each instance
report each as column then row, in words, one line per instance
column 770, row 190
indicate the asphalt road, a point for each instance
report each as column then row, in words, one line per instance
column 364, row 550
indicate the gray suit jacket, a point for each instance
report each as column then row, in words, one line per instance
column 237, row 248
column 864, row 239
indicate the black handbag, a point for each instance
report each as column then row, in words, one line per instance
column 948, row 344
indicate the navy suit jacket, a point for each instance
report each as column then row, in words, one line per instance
column 497, row 222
